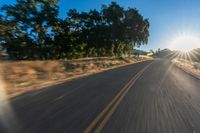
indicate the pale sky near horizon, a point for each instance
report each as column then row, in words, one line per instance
column 174, row 24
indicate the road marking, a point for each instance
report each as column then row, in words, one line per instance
column 111, row 107
column 60, row 97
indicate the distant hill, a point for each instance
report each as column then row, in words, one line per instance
column 193, row 55
column 140, row 52
column 163, row 53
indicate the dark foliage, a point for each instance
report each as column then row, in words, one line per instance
column 31, row 29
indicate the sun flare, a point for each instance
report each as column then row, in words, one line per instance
column 185, row 43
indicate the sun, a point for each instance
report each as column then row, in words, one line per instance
column 185, row 43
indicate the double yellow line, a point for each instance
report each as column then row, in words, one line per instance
column 102, row 118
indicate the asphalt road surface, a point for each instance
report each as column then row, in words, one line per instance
column 147, row 97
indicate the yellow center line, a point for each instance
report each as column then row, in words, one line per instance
column 95, row 121
column 107, row 117
column 116, row 101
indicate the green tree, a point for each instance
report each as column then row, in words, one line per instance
column 30, row 29
column 127, row 27
column 136, row 28
column 27, row 26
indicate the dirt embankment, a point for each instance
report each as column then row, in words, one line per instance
column 190, row 67
column 23, row 76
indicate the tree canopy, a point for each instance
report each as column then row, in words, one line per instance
column 31, row 29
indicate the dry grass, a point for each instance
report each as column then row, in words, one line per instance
column 188, row 66
column 23, row 76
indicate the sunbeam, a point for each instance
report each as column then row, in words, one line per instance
column 8, row 119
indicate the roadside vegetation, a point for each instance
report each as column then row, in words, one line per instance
column 189, row 62
column 32, row 30
column 26, row 76
column 191, row 67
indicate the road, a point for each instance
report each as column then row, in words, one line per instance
column 147, row 97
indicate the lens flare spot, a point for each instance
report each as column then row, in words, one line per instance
column 185, row 43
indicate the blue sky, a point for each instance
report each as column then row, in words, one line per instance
column 168, row 18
